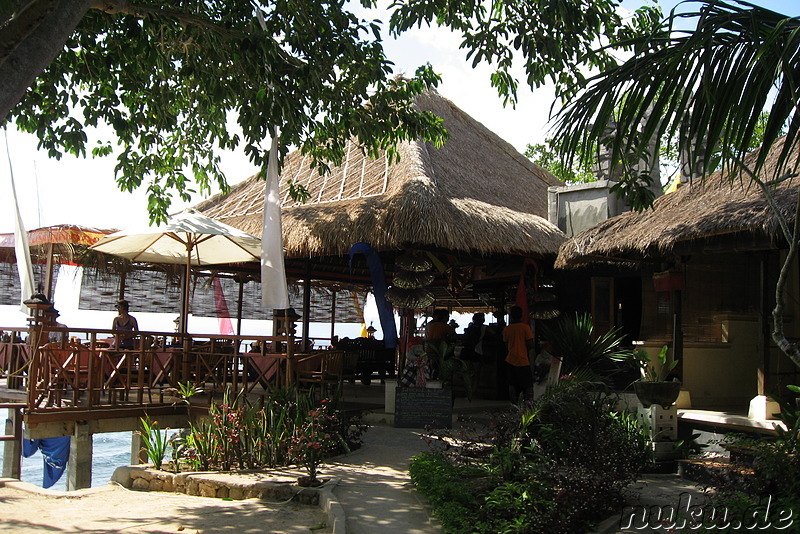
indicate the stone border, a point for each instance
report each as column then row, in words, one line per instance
column 245, row 485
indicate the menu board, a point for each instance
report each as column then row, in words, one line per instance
column 423, row 407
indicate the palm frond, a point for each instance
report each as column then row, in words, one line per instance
column 710, row 84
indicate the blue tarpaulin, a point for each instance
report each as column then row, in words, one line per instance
column 385, row 310
column 55, row 453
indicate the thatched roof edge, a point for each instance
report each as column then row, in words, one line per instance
column 718, row 205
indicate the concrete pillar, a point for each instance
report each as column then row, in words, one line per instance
column 136, row 448
column 79, row 467
column 12, row 450
column 763, row 408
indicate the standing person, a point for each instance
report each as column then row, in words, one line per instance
column 474, row 349
column 126, row 322
column 518, row 337
column 495, row 350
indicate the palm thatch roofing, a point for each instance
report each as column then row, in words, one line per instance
column 67, row 240
column 724, row 211
column 477, row 194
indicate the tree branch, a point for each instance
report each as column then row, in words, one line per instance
column 782, row 221
column 33, row 41
column 126, row 7
column 778, row 335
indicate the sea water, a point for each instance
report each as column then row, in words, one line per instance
column 110, row 450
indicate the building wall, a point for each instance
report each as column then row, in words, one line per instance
column 722, row 336
column 723, row 375
column 575, row 207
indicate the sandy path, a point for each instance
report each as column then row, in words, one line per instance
column 115, row 509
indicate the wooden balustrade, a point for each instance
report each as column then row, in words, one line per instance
column 82, row 369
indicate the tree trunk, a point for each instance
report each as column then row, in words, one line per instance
column 789, row 348
column 30, row 41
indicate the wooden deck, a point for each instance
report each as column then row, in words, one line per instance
column 81, row 374
column 85, row 375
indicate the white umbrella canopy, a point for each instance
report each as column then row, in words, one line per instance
column 188, row 238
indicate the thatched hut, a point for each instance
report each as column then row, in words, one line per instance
column 474, row 199
column 706, row 258
column 715, row 214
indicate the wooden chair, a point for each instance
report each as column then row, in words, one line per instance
column 70, row 368
column 323, row 369
column 213, row 364
column 128, row 370
column 264, row 370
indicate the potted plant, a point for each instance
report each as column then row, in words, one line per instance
column 653, row 387
column 581, row 349
column 446, row 366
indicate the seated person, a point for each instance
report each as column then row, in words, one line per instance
column 125, row 322
column 438, row 329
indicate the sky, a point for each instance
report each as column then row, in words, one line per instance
column 83, row 191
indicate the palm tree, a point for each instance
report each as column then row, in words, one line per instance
column 709, row 85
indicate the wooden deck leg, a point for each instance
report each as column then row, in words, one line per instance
column 79, row 466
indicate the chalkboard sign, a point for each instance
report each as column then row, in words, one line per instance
column 423, row 407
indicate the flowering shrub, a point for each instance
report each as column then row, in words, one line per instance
column 316, row 439
column 239, row 435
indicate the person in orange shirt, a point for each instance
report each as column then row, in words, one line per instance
column 518, row 337
column 438, row 329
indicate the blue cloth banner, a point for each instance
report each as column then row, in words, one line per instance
column 55, row 453
column 385, row 310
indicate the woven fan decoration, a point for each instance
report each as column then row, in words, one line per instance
column 413, row 262
column 413, row 279
column 410, row 282
column 410, row 298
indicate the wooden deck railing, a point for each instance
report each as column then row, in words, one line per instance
column 78, row 369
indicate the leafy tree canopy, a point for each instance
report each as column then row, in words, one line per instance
column 546, row 156
column 167, row 77
column 555, row 40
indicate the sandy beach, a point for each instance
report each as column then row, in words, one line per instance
column 112, row 508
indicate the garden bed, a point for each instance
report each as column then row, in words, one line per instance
column 271, row 486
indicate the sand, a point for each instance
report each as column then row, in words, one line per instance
column 112, row 508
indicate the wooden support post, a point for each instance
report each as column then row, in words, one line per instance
column 12, row 449
column 79, row 467
column 48, row 282
column 677, row 330
column 764, row 340
column 307, row 309
column 333, row 314
column 239, row 306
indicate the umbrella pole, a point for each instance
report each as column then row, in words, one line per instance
column 186, row 288
column 239, row 307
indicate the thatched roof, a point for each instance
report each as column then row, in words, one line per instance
column 720, row 206
column 476, row 194
column 68, row 240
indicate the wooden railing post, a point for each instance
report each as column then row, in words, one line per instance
column 289, row 360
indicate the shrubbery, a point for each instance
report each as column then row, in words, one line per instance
column 557, row 465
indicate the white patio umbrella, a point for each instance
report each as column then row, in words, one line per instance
column 188, row 238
